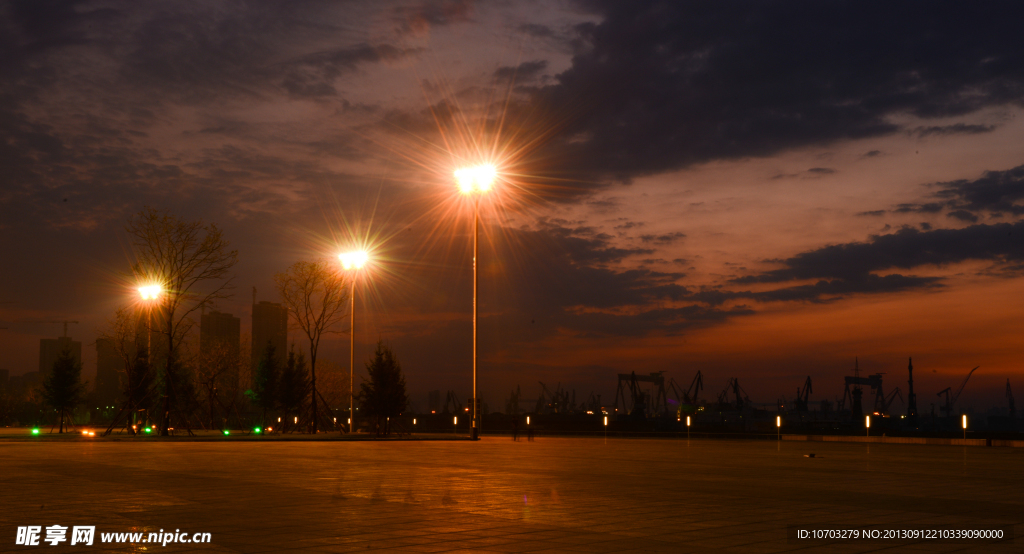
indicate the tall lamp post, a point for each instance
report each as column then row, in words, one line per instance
column 352, row 262
column 478, row 180
column 150, row 294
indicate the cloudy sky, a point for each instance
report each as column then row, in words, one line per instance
column 764, row 190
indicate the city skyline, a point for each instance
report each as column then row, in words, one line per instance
column 764, row 199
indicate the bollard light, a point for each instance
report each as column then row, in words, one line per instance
column 964, row 420
column 606, row 421
column 527, row 420
column 414, row 421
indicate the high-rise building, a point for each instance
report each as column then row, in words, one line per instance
column 269, row 325
column 49, row 351
column 108, row 378
column 219, row 330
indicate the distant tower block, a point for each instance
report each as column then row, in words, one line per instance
column 50, row 349
column 108, row 378
column 269, row 325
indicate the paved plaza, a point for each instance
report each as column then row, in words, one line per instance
column 496, row 495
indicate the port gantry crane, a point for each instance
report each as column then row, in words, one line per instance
column 687, row 397
column 803, row 395
column 737, row 390
column 952, row 396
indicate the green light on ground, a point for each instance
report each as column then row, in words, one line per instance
column 257, row 430
column 226, row 432
column 35, row 431
column 148, row 430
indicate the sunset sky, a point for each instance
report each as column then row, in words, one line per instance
column 761, row 190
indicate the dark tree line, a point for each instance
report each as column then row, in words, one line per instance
column 284, row 388
column 383, row 396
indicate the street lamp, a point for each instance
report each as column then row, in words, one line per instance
column 150, row 294
column 478, row 179
column 352, row 261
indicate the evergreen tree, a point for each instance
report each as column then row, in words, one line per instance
column 383, row 396
column 294, row 386
column 265, row 381
column 63, row 389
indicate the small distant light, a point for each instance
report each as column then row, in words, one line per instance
column 279, row 420
column 414, row 421
column 35, row 431
column 296, row 419
column 350, row 421
column 335, row 420
column 85, row 432
column 148, row 430
column 256, row 430
column 226, row 432
column 433, row 412
column 92, row 433
column 269, row 429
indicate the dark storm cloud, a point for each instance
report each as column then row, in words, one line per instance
column 995, row 192
column 537, row 30
column 420, row 17
column 958, row 129
column 526, row 71
column 1000, row 192
column 569, row 285
column 907, row 248
column 660, row 85
column 667, row 238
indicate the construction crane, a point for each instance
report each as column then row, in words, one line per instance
column 803, row 395
column 1009, row 400
column 65, row 322
column 952, row 396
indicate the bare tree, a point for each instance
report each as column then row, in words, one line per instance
column 191, row 262
column 316, row 296
column 125, row 331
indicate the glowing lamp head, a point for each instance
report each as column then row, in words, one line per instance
column 475, row 179
column 353, row 260
column 150, row 292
